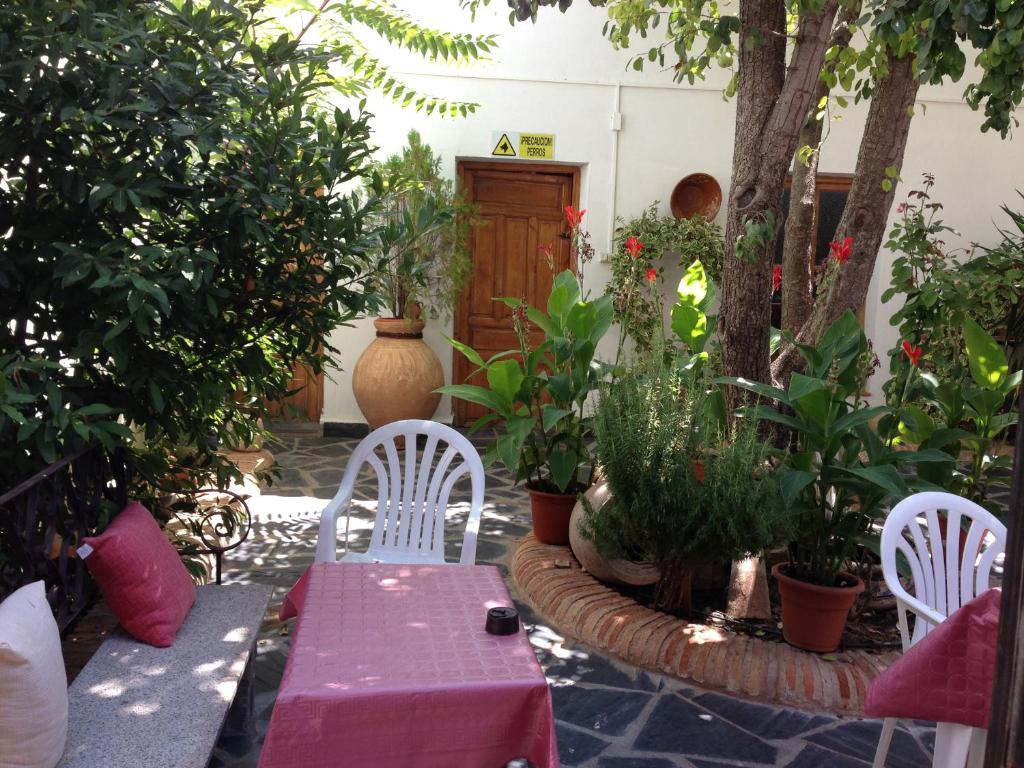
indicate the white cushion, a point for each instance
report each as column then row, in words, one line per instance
column 33, row 684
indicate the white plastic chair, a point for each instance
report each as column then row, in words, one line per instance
column 945, row 576
column 412, row 495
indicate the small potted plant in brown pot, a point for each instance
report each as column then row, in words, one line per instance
column 538, row 394
column 834, row 481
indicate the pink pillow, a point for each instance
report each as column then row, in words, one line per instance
column 141, row 575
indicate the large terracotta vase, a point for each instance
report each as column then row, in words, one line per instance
column 597, row 565
column 397, row 374
column 813, row 617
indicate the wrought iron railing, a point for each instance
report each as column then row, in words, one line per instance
column 43, row 519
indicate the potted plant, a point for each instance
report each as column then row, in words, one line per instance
column 833, row 482
column 425, row 263
column 538, row 395
column 686, row 489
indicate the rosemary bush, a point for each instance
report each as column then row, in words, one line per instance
column 685, row 488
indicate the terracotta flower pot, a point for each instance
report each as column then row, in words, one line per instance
column 813, row 617
column 397, row 374
column 597, row 565
column 551, row 515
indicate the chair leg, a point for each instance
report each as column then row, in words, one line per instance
column 976, row 755
column 884, row 739
column 952, row 743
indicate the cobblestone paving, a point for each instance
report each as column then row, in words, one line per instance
column 608, row 715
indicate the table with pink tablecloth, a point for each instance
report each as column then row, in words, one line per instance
column 390, row 666
column 947, row 676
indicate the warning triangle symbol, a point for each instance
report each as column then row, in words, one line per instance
column 504, row 147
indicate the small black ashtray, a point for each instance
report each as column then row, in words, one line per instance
column 502, row 621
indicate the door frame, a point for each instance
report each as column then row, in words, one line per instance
column 460, row 325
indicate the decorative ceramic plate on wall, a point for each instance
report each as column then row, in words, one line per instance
column 696, row 194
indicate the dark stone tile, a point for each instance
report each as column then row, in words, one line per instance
column 576, row 747
column 677, row 725
column 586, row 666
column 859, row 738
column 816, row 757
column 635, row 762
column 760, row 719
column 597, row 709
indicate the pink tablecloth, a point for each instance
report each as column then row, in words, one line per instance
column 947, row 676
column 390, row 667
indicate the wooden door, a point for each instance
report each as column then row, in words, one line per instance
column 307, row 403
column 522, row 207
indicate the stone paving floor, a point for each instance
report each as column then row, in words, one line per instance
column 608, row 715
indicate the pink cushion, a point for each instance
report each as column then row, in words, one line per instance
column 142, row 576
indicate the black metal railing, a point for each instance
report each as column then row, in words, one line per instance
column 43, row 519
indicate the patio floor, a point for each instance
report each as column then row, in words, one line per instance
column 608, row 715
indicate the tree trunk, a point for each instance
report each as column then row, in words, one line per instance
column 867, row 207
column 771, row 104
column 798, row 239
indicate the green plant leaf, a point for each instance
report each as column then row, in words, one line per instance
column 989, row 367
column 794, row 481
column 563, row 465
column 693, row 286
column 505, row 378
column 800, row 385
column 550, row 415
column 691, row 326
column 471, row 393
column 467, row 351
column 885, row 477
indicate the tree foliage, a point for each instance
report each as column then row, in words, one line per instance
column 172, row 229
column 340, row 27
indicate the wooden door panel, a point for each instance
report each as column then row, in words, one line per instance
column 521, row 208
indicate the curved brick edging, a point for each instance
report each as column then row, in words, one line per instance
column 582, row 608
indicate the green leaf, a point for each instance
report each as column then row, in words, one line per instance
column 550, row 415
column 505, row 378
column 765, row 390
column 471, row 393
column 467, row 351
column 563, row 465
column 693, row 286
column 989, row 367
column 691, row 326
column 885, row 477
column 794, row 481
column 855, row 418
column 800, row 385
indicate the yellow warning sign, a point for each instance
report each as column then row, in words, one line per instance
column 537, row 146
column 504, row 147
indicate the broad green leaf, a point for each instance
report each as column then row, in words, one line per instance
column 690, row 325
column 800, row 385
column 504, row 378
column 563, row 465
column 550, row 415
column 765, row 390
column 471, row 393
column 885, row 477
column 794, row 481
column 693, row 286
column 989, row 367
column 856, row 418
column 467, row 351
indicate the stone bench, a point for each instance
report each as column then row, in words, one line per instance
column 136, row 705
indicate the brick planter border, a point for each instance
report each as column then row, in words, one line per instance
column 582, row 608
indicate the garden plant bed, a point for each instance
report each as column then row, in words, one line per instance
column 579, row 606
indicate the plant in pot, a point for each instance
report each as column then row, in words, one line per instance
column 425, row 264
column 834, row 480
column 686, row 489
column 538, row 395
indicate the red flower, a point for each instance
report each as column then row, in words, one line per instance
column 573, row 217
column 913, row 353
column 633, row 246
column 652, row 275
column 841, row 251
column 776, row 277
column 698, row 471
column 548, row 251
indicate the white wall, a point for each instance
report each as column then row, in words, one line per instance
column 560, row 76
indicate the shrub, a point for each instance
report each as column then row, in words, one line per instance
column 685, row 489
column 171, row 229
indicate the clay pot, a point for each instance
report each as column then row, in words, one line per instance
column 397, row 374
column 813, row 617
column 637, row 574
column 551, row 515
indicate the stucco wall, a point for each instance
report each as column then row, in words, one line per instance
column 560, row 76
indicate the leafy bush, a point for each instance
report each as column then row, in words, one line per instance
column 942, row 288
column 637, row 308
column 172, row 233
column 685, row 489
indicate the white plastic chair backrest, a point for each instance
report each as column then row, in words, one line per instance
column 412, row 493
column 945, row 574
